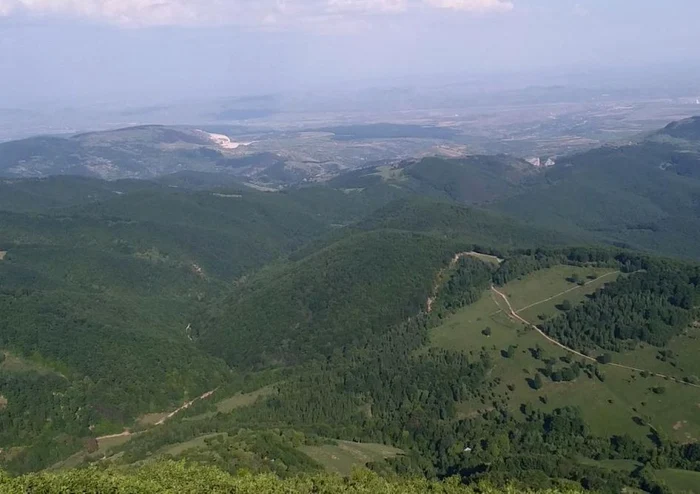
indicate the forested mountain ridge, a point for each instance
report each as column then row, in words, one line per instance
column 642, row 195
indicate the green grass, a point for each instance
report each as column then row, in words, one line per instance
column 103, row 450
column 151, row 419
column 553, row 282
column 623, row 465
column 681, row 480
column 241, row 400
column 13, row 363
column 486, row 258
column 608, row 407
column 342, row 457
column 178, row 448
column 390, row 174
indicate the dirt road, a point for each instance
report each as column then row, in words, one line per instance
column 127, row 432
column 515, row 316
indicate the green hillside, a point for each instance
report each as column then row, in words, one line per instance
column 341, row 296
column 688, row 129
column 643, row 195
column 471, row 180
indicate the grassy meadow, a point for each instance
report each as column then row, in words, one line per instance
column 623, row 403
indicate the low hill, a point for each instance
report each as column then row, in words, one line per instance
column 472, row 180
column 135, row 152
column 688, row 129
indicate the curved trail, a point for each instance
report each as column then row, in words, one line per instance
column 577, row 287
column 127, row 432
column 514, row 315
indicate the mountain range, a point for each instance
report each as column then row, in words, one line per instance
column 474, row 317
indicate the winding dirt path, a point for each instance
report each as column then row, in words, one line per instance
column 127, row 432
column 515, row 316
column 577, row 287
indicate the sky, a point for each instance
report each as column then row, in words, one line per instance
column 157, row 51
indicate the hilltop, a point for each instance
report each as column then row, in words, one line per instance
column 142, row 152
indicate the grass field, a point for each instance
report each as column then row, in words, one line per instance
column 345, row 455
column 151, row 419
column 13, row 363
column 388, row 173
column 176, row 449
column 681, row 480
column 615, row 406
column 241, row 400
column 486, row 258
column 624, row 465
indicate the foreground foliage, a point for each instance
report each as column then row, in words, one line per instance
column 180, row 478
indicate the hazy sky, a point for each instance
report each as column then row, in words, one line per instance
column 157, row 50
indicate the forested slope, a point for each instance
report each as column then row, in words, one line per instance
column 339, row 297
column 99, row 291
column 643, row 195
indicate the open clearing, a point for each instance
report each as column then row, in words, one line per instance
column 151, row 419
column 681, row 480
column 241, row 400
column 486, row 258
column 342, row 457
column 14, row 363
column 179, row 448
column 389, row 173
column 615, row 406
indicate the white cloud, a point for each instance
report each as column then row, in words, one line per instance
column 261, row 13
column 580, row 10
column 473, row 5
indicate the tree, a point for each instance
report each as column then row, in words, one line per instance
column 486, row 331
column 537, row 382
column 566, row 305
